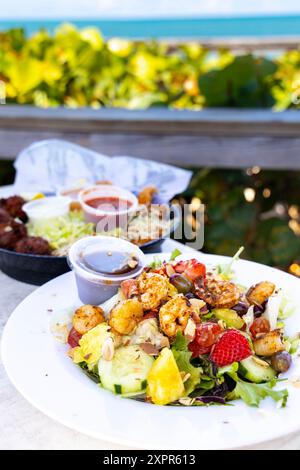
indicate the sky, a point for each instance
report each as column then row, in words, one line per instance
column 14, row 9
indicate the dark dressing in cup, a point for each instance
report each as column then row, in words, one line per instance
column 110, row 263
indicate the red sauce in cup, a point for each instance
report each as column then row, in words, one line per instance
column 109, row 204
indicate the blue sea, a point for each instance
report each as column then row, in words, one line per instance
column 175, row 28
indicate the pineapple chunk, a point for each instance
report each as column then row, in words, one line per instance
column 165, row 384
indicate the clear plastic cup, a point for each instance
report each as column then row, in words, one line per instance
column 109, row 217
column 95, row 288
column 47, row 208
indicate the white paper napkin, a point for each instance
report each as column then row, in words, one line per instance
column 49, row 165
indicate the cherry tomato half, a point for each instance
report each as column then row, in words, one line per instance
column 73, row 338
column 206, row 336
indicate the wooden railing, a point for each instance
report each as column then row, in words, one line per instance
column 222, row 138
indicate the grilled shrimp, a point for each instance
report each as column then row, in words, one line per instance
column 154, row 289
column 218, row 293
column 87, row 317
column 269, row 343
column 130, row 288
column 174, row 315
column 125, row 316
column 259, row 293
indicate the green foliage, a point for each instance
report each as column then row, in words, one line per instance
column 245, row 82
column 266, row 227
column 78, row 68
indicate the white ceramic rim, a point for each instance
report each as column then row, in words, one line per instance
column 104, row 190
column 114, row 241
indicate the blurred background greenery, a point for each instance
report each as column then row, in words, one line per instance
column 79, row 68
column 254, row 208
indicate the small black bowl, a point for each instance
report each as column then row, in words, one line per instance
column 32, row 269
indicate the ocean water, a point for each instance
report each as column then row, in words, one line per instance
column 175, row 28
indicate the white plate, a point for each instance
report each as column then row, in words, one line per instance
column 40, row 370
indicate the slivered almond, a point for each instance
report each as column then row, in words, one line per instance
column 190, row 330
column 186, row 377
column 132, row 263
column 186, row 401
column 165, row 343
column 108, row 349
column 260, row 362
column 70, row 353
column 222, row 324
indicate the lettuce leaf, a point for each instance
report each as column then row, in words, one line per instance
column 251, row 393
column 225, row 270
column 174, row 254
column 182, row 357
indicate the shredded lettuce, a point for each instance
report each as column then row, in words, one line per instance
column 249, row 317
column 156, row 263
column 286, row 308
column 182, row 357
column 62, row 231
column 252, row 393
column 272, row 310
column 292, row 343
column 225, row 270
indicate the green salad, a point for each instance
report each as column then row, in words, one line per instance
column 186, row 334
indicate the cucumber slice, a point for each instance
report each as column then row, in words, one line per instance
column 256, row 372
column 127, row 372
column 230, row 317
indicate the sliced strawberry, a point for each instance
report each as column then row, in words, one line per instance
column 231, row 347
column 191, row 268
column 206, row 336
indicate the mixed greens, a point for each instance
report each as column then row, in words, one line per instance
column 184, row 335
